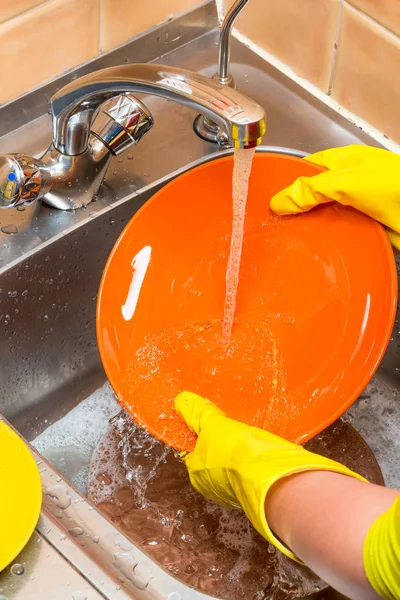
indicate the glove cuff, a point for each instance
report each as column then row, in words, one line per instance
column 382, row 554
column 299, row 462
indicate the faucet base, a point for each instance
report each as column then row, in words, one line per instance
column 205, row 127
column 75, row 180
column 209, row 131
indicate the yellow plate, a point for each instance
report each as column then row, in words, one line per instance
column 20, row 495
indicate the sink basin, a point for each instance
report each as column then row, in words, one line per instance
column 49, row 276
column 49, row 357
column 50, row 361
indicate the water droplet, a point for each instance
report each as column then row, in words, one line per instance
column 17, row 569
column 21, row 208
column 60, row 494
column 130, row 156
column 124, row 545
column 9, row 229
column 76, row 531
column 128, row 567
column 79, row 596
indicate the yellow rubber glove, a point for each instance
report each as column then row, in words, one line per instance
column 360, row 176
column 382, row 554
column 236, row 465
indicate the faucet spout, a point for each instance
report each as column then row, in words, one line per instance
column 225, row 41
column 75, row 106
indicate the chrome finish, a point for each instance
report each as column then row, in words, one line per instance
column 154, row 44
column 50, row 272
column 297, row 120
column 122, row 122
column 223, row 74
column 67, row 181
column 205, row 127
column 75, row 180
column 74, row 106
column 210, row 131
column 97, row 115
column 22, row 180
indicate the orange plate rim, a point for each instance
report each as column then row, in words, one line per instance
column 385, row 337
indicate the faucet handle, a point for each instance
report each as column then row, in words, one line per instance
column 121, row 122
column 22, row 180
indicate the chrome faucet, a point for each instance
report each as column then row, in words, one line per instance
column 97, row 116
column 206, row 128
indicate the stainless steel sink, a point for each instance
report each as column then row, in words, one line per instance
column 49, row 360
column 50, row 363
column 50, row 272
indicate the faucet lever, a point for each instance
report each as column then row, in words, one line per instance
column 67, row 182
column 22, row 180
column 76, row 105
column 97, row 116
column 122, row 122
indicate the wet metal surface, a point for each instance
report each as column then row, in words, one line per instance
column 51, row 268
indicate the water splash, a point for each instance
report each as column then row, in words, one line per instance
column 145, row 490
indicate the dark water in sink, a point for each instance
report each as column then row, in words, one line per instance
column 144, row 489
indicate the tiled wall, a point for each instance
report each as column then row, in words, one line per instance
column 348, row 49
column 40, row 39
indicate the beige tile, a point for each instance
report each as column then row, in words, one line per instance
column 12, row 8
column 227, row 4
column 137, row 16
column 386, row 12
column 301, row 33
column 44, row 42
column 366, row 72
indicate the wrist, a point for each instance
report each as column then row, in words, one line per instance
column 282, row 500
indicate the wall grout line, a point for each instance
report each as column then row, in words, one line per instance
column 375, row 133
column 335, row 46
column 27, row 12
column 372, row 20
column 101, row 26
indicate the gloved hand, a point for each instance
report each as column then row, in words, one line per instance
column 381, row 554
column 236, row 465
column 360, row 176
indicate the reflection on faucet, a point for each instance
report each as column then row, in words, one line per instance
column 206, row 128
column 97, row 116
column 68, row 181
column 74, row 106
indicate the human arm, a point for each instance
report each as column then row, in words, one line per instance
column 324, row 518
column 243, row 467
column 367, row 179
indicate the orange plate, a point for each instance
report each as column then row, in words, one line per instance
column 315, row 306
